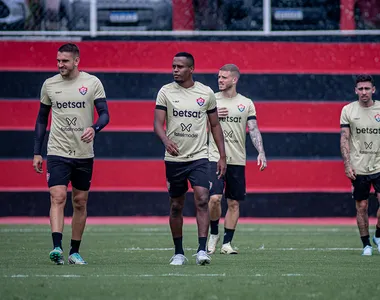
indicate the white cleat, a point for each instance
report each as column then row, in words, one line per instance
column 76, row 259
column 376, row 241
column 202, row 258
column 367, row 251
column 178, row 260
column 227, row 249
column 212, row 242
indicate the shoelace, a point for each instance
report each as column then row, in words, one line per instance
column 176, row 255
column 78, row 257
column 205, row 253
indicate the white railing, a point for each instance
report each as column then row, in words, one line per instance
column 267, row 30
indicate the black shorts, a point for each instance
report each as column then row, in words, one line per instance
column 233, row 182
column 361, row 186
column 62, row 170
column 178, row 173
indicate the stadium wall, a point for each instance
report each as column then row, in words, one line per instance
column 298, row 89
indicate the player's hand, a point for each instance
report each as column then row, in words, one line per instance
column 222, row 112
column 37, row 163
column 88, row 135
column 221, row 167
column 171, row 147
column 350, row 172
column 262, row 161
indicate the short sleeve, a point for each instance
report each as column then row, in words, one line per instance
column 344, row 121
column 161, row 100
column 99, row 90
column 251, row 111
column 44, row 97
column 211, row 103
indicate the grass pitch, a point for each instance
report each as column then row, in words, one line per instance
column 132, row 262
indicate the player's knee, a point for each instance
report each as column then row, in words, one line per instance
column 58, row 196
column 215, row 200
column 362, row 206
column 79, row 202
column 176, row 208
column 202, row 202
column 233, row 205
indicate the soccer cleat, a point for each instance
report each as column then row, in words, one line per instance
column 376, row 241
column 56, row 256
column 367, row 251
column 178, row 260
column 76, row 259
column 212, row 242
column 202, row 258
column 227, row 249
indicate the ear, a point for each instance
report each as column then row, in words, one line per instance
column 373, row 90
column 76, row 61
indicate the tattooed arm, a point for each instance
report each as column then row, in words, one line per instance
column 345, row 151
column 257, row 141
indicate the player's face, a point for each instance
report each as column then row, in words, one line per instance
column 66, row 63
column 181, row 70
column 226, row 80
column 364, row 90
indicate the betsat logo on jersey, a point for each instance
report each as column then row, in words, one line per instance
column 230, row 119
column 367, row 130
column 186, row 127
column 69, row 104
column 186, row 113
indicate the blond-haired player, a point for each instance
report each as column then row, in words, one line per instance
column 236, row 112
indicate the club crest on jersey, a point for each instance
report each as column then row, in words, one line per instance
column 201, row 101
column 377, row 117
column 241, row 107
column 83, row 90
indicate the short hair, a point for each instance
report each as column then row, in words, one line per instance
column 231, row 68
column 188, row 56
column 71, row 48
column 365, row 78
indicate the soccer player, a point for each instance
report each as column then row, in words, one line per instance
column 360, row 148
column 235, row 113
column 72, row 96
column 186, row 106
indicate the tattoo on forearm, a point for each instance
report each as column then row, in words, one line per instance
column 345, row 146
column 255, row 135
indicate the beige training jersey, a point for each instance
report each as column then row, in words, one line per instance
column 186, row 118
column 72, row 103
column 364, row 124
column 240, row 110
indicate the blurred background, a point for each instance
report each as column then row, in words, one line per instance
column 116, row 15
column 298, row 61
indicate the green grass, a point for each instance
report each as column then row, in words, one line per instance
column 132, row 262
